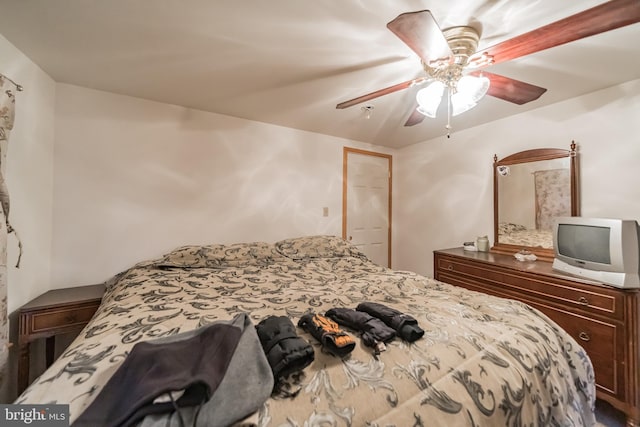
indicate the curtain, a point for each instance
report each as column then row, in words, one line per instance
column 553, row 196
column 7, row 103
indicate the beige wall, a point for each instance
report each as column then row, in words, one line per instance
column 29, row 176
column 445, row 194
column 135, row 179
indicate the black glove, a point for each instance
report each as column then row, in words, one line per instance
column 406, row 326
column 286, row 351
column 374, row 332
column 333, row 339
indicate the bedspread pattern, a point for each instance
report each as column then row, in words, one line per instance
column 482, row 361
column 528, row 238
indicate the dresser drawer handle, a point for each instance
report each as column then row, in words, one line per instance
column 450, row 267
column 583, row 301
column 71, row 318
column 584, row 336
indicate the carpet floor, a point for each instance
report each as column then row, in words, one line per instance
column 608, row 416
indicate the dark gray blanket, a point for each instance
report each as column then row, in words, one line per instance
column 211, row 376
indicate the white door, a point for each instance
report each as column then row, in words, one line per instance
column 367, row 200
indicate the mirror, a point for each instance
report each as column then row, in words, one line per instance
column 530, row 189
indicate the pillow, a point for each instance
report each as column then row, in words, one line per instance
column 317, row 247
column 508, row 227
column 220, row 256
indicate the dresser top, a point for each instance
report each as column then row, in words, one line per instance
column 509, row 261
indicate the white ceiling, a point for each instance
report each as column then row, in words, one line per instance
column 289, row 62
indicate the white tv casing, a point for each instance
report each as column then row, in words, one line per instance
column 605, row 273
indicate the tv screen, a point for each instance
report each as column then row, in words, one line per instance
column 606, row 250
column 584, row 242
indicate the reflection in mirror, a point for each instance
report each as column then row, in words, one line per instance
column 530, row 196
column 531, row 189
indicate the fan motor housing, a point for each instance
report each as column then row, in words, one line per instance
column 463, row 42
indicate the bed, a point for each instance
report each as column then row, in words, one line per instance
column 482, row 360
column 519, row 235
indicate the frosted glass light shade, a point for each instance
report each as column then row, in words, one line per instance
column 429, row 98
column 470, row 90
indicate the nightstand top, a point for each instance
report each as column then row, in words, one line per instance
column 61, row 297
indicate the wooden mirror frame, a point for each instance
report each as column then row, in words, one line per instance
column 527, row 156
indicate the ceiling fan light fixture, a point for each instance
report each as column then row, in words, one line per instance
column 429, row 98
column 469, row 90
column 459, row 106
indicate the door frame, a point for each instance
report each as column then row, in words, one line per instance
column 345, row 154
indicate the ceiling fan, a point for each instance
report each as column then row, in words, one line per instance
column 453, row 66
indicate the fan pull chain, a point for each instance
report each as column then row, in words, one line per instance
column 448, row 126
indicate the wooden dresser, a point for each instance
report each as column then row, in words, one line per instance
column 603, row 319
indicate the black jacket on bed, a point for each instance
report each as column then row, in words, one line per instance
column 406, row 326
column 219, row 370
column 286, row 351
column 373, row 330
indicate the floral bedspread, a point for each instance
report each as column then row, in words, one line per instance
column 482, row 361
column 528, row 238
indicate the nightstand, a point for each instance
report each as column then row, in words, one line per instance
column 56, row 312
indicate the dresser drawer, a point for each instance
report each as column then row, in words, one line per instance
column 588, row 298
column 42, row 322
column 603, row 342
column 604, row 320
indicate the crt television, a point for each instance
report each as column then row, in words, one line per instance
column 605, row 250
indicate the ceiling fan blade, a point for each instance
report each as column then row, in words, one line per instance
column 381, row 92
column 599, row 19
column 511, row 90
column 420, row 31
column 415, row 118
